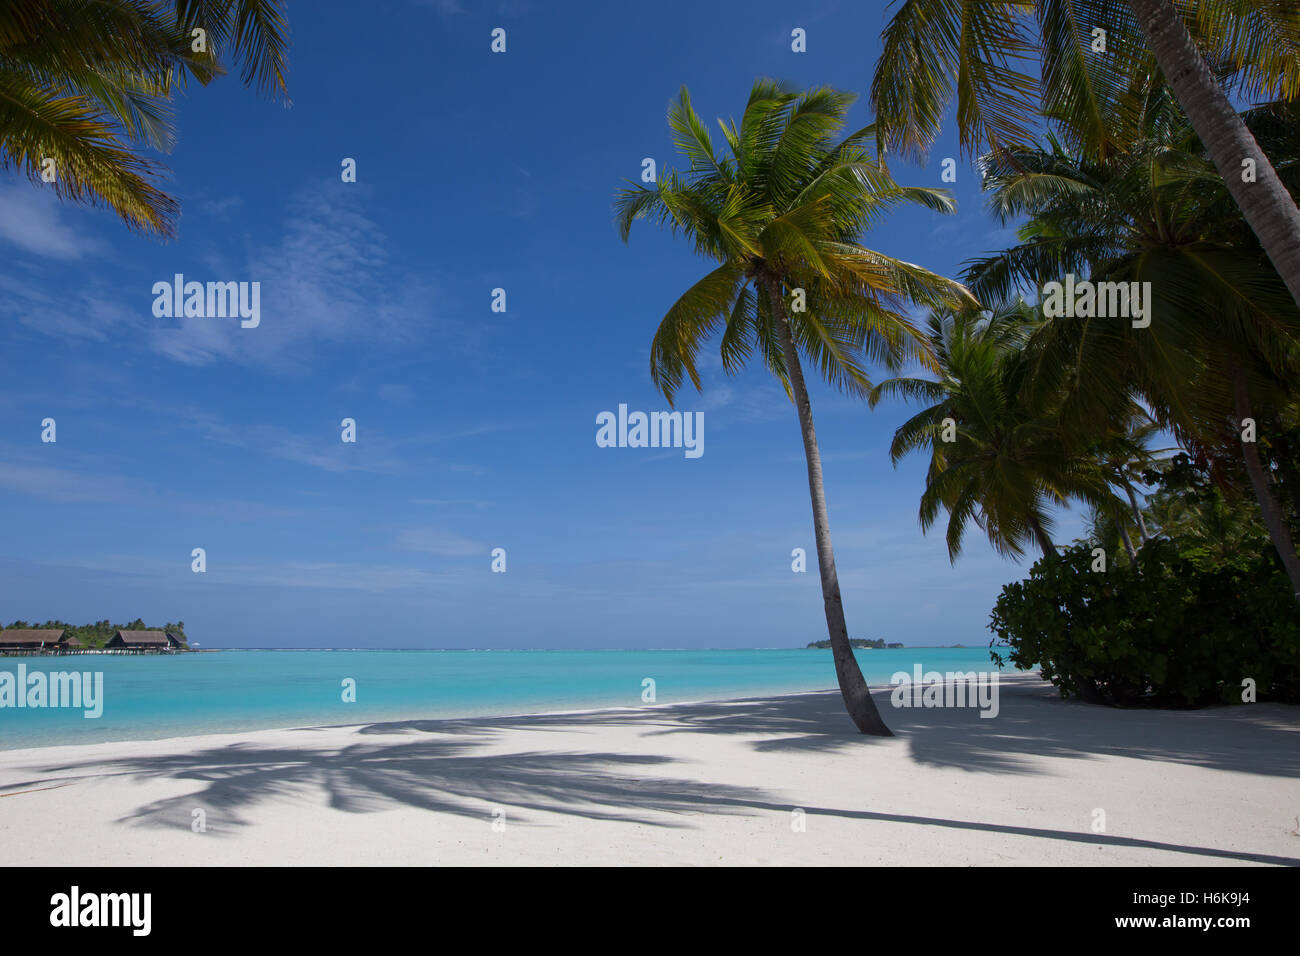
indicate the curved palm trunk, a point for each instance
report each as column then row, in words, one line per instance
column 1274, row 520
column 857, row 698
column 1266, row 204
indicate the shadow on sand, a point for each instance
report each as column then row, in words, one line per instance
column 447, row 765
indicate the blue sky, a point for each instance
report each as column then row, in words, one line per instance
column 476, row 429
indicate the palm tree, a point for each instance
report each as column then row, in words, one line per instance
column 1264, row 200
column 781, row 210
column 1123, row 458
column 1253, row 45
column 1194, row 509
column 88, row 84
column 1104, row 528
column 998, row 456
column 1159, row 214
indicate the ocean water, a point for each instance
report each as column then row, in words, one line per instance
column 151, row 697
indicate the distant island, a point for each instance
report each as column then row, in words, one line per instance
column 57, row 637
column 858, row 642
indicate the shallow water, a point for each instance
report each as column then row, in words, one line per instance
column 150, row 697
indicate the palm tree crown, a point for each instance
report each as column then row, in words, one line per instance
column 998, row 456
column 786, row 204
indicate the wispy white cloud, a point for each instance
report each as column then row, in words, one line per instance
column 59, row 484
column 754, row 402
column 219, row 207
column 428, row 540
column 376, row 578
column 328, row 279
column 451, row 502
column 27, row 476
column 89, row 314
column 505, row 8
column 33, row 220
column 396, row 393
column 446, row 8
column 325, row 450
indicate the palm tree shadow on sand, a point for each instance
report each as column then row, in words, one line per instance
column 447, row 766
column 1032, row 721
column 439, row 775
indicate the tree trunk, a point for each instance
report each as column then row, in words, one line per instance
column 1128, row 542
column 1044, row 541
column 857, row 698
column 1137, row 513
column 1266, row 204
column 1289, row 478
column 1274, row 520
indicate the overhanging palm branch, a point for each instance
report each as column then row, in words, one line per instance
column 1006, row 62
column 88, row 85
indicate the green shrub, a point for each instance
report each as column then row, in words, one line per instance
column 1171, row 630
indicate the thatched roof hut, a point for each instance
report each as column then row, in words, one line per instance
column 24, row 638
column 145, row 640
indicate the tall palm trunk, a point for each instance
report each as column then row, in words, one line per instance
column 857, row 698
column 1266, row 204
column 1137, row 513
column 1274, row 520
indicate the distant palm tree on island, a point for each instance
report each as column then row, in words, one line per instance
column 859, row 642
column 782, row 214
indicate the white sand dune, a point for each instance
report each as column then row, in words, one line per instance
column 713, row 783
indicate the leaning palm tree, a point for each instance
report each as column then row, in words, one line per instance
column 1095, row 59
column 86, row 85
column 1124, row 457
column 781, row 210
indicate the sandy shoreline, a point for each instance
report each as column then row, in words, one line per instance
column 703, row 783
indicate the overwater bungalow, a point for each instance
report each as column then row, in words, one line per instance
column 144, row 641
column 24, row 640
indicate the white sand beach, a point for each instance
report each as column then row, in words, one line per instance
column 702, row 784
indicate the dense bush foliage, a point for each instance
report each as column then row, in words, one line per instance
column 1177, row 628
